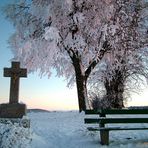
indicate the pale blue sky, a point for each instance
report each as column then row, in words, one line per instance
column 51, row 94
column 36, row 92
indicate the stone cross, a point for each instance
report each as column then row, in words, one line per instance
column 15, row 72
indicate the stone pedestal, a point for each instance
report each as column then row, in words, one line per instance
column 12, row 110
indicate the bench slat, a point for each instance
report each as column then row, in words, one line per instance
column 116, row 128
column 117, row 111
column 115, row 120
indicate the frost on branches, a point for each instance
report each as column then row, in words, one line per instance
column 68, row 35
column 127, row 63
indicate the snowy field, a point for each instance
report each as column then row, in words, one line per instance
column 66, row 130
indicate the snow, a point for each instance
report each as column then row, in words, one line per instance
column 14, row 136
column 59, row 129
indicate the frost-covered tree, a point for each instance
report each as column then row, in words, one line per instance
column 127, row 63
column 70, row 36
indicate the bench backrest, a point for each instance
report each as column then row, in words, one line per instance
column 103, row 120
column 117, row 111
column 115, row 120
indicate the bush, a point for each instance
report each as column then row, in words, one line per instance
column 100, row 103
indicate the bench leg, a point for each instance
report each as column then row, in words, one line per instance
column 104, row 135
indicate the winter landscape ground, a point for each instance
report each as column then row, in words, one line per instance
column 66, row 130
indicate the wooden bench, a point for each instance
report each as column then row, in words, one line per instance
column 102, row 120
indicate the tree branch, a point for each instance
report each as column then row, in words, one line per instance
column 98, row 58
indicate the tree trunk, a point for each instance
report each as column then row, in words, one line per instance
column 82, row 91
column 114, row 90
column 81, row 81
column 83, row 74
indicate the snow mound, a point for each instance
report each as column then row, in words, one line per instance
column 14, row 136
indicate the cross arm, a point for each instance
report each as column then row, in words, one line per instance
column 7, row 72
column 21, row 73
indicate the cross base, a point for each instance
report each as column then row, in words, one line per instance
column 12, row 110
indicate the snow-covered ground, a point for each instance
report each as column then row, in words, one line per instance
column 66, row 130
